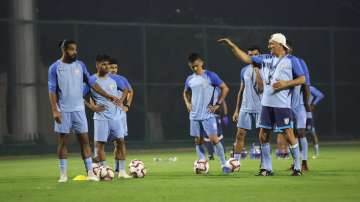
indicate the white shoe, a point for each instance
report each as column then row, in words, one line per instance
column 123, row 174
column 92, row 177
column 63, row 178
column 315, row 157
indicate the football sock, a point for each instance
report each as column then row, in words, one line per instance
column 295, row 152
column 63, row 166
column 200, row 151
column 210, row 148
column 117, row 165
column 219, row 150
column 304, row 148
column 237, row 156
column 316, row 149
column 88, row 164
column 266, row 155
column 121, row 164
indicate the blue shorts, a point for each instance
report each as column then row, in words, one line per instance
column 72, row 122
column 246, row 119
column 209, row 125
column 299, row 114
column 275, row 118
column 107, row 130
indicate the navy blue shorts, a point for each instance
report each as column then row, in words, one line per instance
column 276, row 118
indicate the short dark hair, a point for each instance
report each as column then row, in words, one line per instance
column 194, row 56
column 254, row 47
column 113, row 61
column 102, row 57
column 64, row 44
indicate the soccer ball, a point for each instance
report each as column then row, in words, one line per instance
column 233, row 164
column 201, row 166
column 137, row 168
column 105, row 173
column 96, row 168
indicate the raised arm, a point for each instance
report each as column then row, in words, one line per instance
column 243, row 56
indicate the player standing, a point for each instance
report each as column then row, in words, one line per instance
column 279, row 73
column 248, row 102
column 198, row 96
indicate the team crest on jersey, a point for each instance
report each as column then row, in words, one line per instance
column 112, row 86
column 286, row 121
column 77, row 71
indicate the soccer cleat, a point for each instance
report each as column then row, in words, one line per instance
column 296, row 173
column 315, row 156
column 291, row 167
column 304, row 166
column 264, row 172
column 226, row 170
column 92, row 177
column 63, row 178
column 211, row 157
column 123, row 174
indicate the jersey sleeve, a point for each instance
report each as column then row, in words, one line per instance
column 120, row 83
column 52, row 78
column 306, row 72
column 127, row 83
column 86, row 75
column 214, row 78
column 296, row 67
column 242, row 72
column 187, row 87
column 86, row 90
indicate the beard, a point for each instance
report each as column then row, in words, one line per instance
column 71, row 58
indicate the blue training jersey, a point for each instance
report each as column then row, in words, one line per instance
column 202, row 89
column 298, row 92
column 251, row 98
column 110, row 86
column 274, row 69
column 67, row 81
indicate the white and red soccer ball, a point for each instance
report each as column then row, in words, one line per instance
column 233, row 164
column 201, row 166
column 104, row 173
column 137, row 168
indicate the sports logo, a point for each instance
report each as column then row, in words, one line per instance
column 286, row 121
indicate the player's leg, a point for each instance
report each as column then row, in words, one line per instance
column 63, row 130
column 244, row 123
column 310, row 128
column 79, row 124
column 100, row 149
column 199, row 140
column 267, row 122
column 282, row 145
column 301, row 133
column 210, row 127
column 62, row 151
column 208, row 145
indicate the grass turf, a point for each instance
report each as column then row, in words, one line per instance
column 335, row 176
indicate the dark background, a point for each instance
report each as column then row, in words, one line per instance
column 152, row 39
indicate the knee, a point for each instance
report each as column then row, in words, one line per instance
column 199, row 140
column 240, row 135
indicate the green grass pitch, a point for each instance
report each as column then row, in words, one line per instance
column 335, row 176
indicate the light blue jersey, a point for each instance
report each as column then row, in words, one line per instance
column 274, row 69
column 202, row 89
column 110, row 86
column 67, row 81
column 251, row 98
column 298, row 93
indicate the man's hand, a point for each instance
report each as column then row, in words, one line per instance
column 280, row 85
column 189, row 107
column 213, row 108
column 125, row 108
column 97, row 108
column 117, row 101
column 235, row 116
column 57, row 116
column 225, row 41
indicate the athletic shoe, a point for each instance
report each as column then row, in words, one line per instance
column 264, row 172
column 296, row 173
column 92, row 177
column 63, row 178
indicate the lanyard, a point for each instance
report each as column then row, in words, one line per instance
column 273, row 68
